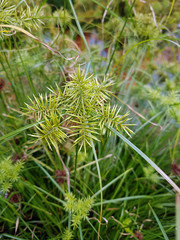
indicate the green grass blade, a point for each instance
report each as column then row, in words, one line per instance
column 10, row 135
column 27, row 225
column 10, row 236
column 170, row 11
column 116, row 45
column 139, row 43
column 80, row 232
column 117, row 200
column 100, row 183
column 159, row 223
column 79, row 27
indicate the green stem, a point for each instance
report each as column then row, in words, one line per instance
column 75, row 171
column 93, row 227
column 65, row 168
column 50, row 156
column 69, row 221
column 117, row 42
column 79, row 27
column 100, row 183
column 82, row 34
column 3, row 103
column 80, row 232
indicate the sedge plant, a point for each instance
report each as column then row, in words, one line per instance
column 80, row 112
column 18, row 15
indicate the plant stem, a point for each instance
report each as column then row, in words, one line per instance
column 117, row 42
column 65, row 168
column 50, row 156
column 100, row 183
column 69, row 221
column 79, row 27
column 75, row 170
column 159, row 223
column 80, row 232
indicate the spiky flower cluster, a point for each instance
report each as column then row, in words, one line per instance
column 150, row 174
column 160, row 6
column 9, row 173
column 67, row 235
column 78, row 207
column 145, row 27
column 80, row 112
column 18, row 15
column 116, row 29
column 62, row 17
column 166, row 100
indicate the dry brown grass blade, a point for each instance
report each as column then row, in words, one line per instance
column 35, row 38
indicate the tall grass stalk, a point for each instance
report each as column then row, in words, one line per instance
column 100, row 185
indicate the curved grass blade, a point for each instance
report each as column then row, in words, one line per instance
column 10, row 236
column 170, row 11
column 117, row 200
column 35, row 38
column 100, row 183
column 79, row 27
column 177, row 189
